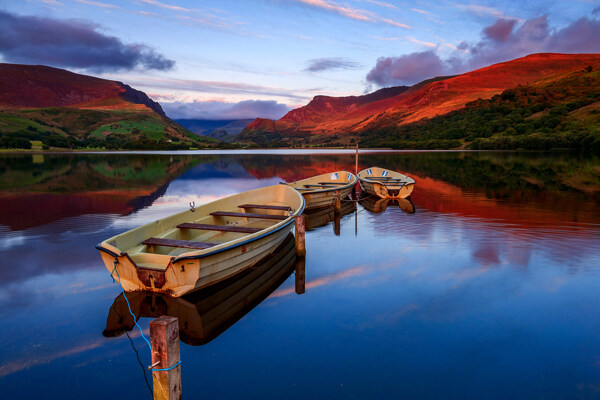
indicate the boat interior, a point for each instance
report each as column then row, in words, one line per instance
column 324, row 182
column 203, row 228
column 385, row 177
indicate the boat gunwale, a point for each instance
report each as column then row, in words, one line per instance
column 325, row 190
column 407, row 183
column 215, row 249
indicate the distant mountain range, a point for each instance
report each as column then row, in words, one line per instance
column 58, row 108
column 390, row 117
column 225, row 129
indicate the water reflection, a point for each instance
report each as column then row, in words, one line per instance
column 205, row 314
column 495, row 272
column 321, row 217
column 376, row 204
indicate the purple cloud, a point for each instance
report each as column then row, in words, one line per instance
column 217, row 110
column 71, row 43
column 331, row 63
column 500, row 30
column 502, row 41
column 405, row 69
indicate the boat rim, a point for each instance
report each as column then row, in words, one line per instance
column 327, row 189
column 414, row 181
column 250, row 238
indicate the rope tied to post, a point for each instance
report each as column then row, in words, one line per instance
column 151, row 367
column 127, row 301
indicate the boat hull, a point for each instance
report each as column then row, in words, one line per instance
column 384, row 183
column 174, row 270
column 323, row 197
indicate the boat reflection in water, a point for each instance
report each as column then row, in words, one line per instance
column 376, row 204
column 321, row 217
column 205, row 314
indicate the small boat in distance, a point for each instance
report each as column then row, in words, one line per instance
column 199, row 247
column 319, row 191
column 385, row 183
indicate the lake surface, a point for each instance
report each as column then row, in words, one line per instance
column 486, row 284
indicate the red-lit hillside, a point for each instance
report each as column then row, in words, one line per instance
column 62, row 109
column 345, row 115
column 36, row 86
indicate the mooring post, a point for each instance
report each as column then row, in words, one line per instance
column 336, row 224
column 300, row 230
column 300, row 275
column 164, row 338
column 338, row 202
column 356, row 161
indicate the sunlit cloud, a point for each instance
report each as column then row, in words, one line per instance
column 353, row 13
column 484, row 11
column 381, row 3
column 420, row 11
column 98, row 4
column 164, row 5
column 428, row 44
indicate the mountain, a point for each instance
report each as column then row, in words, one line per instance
column 224, row 130
column 343, row 120
column 60, row 108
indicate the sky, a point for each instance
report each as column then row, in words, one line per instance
column 260, row 58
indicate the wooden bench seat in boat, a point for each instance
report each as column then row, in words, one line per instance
column 221, row 228
column 321, row 186
column 332, row 183
column 185, row 244
column 247, row 215
column 266, row 207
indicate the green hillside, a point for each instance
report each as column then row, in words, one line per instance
column 65, row 127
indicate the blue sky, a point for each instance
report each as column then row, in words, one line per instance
column 242, row 59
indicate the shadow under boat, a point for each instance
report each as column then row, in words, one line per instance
column 205, row 314
column 377, row 204
column 317, row 218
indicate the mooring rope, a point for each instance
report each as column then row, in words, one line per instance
column 128, row 305
column 134, row 318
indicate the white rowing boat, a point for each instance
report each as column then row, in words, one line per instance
column 320, row 191
column 199, row 247
column 385, row 183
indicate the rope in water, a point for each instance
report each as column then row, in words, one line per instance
column 134, row 318
column 127, row 301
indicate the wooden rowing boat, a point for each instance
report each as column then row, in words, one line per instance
column 385, row 183
column 206, row 313
column 377, row 204
column 202, row 246
column 320, row 191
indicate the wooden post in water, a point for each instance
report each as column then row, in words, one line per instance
column 356, row 161
column 300, row 275
column 164, row 338
column 300, row 230
column 337, row 196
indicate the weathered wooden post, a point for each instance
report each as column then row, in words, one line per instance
column 164, row 338
column 356, row 161
column 300, row 230
column 300, row 275
column 336, row 225
column 338, row 202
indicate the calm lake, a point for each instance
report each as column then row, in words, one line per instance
column 485, row 285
